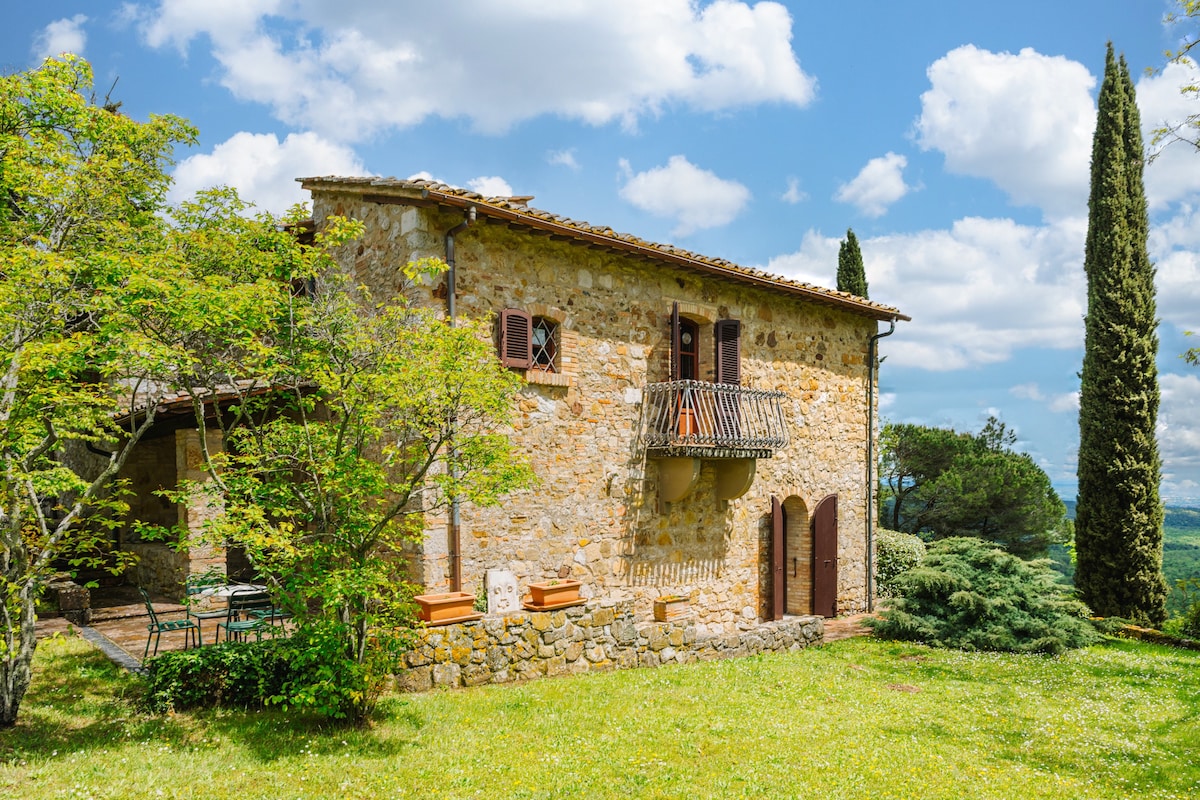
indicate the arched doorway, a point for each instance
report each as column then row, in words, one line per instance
column 792, row 558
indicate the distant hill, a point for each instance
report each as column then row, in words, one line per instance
column 1175, row 517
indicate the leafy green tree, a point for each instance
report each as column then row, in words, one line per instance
column 971, row 595
column 938, row 483
column 1118, row 519
column 98, row 300
column 377, row 414
column 851, row 275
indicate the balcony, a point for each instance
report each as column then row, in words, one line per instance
column 712, row 421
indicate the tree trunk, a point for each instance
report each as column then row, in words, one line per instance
column 15, row 666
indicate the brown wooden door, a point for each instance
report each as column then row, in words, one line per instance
column 825, row 567
column 778, row 556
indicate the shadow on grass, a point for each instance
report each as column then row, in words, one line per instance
column 79, row 701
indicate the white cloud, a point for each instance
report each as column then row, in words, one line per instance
column 563, row 158
column 696, row 198
column 356, row 67
column 1065, row 402
column 1179, row 434
column 263, row 169
column 1023, row 121
column 976, row 292
column 61, row 36
column 879, row 184
column 1068, row 401
column 490, row 186
column 1172, row 175
column 794, row 193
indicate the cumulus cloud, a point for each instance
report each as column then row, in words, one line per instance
column 353, row 68
column 61, row 36
column 1068, row 401
column 1172, row 175
column 263, row 169
column 1179, row 436
column 976, row 292
column 1022, row 121
column 490, row 186
column 879, row 184
column 793, row 194
column 696, row 198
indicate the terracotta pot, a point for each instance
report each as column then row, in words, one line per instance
column 669, row 608
column 687, row 422
column 550, row 592
column 445, row 605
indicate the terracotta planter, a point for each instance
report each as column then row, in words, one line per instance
column 687, row 422
column 445, row 606
column 670, row 608
column 548, row 593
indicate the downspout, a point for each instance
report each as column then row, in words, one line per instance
column 871, row 367
column 453, row 540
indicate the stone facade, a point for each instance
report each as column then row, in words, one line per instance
column 602, row 636
column 597, row 513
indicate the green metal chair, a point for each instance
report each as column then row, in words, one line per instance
column 242, row 616
column 195, row 586
column 157, row 627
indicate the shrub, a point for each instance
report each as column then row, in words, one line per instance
column 972, row 595
column 231, row 674
column 1186, row 624
column 895, row 553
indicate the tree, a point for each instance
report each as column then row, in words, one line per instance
column 851, row 275
column 939, row 484
column 92, row 319
column 378, row 414
column 1118, row 522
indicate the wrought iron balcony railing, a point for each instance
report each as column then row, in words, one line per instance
column 712, row 420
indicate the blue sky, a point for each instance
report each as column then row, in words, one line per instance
column 953, row 137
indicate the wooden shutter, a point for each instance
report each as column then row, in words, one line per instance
column 778, row 585
column 825, row 560
column 675, row 342
column 516, row 338
column 727, row 335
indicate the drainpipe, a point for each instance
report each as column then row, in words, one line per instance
column 871, row 463
column 453, row 541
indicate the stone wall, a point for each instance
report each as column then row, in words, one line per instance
column 597, row 637
column 596, row 514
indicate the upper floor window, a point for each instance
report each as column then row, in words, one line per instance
column 540, row 342
column 686, row 348
column 545, row 345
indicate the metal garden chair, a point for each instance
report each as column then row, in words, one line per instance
column 242, row 616
column 157, row 627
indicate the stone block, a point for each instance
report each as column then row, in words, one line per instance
column 449, row 675
column 419, row 679
column 476, row 675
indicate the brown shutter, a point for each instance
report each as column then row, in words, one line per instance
column 778, row 587
column 727, row 336
column 516, row 338
column 675, row 343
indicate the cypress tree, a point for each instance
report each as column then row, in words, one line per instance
column 1118, row 524
column 851, row 276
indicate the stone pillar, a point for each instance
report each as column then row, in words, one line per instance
column 201, row 506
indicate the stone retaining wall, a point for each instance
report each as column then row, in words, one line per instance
column 599, row 636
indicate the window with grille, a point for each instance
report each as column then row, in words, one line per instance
column 545, row 344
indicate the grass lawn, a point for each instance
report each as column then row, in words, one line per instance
column 859, row 718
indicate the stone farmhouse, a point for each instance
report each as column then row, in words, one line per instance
column 698, row 428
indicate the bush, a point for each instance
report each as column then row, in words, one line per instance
column 972, row 595
column 310, row 670
column 231, row 674
column 1186, row 624
column 895, row 553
